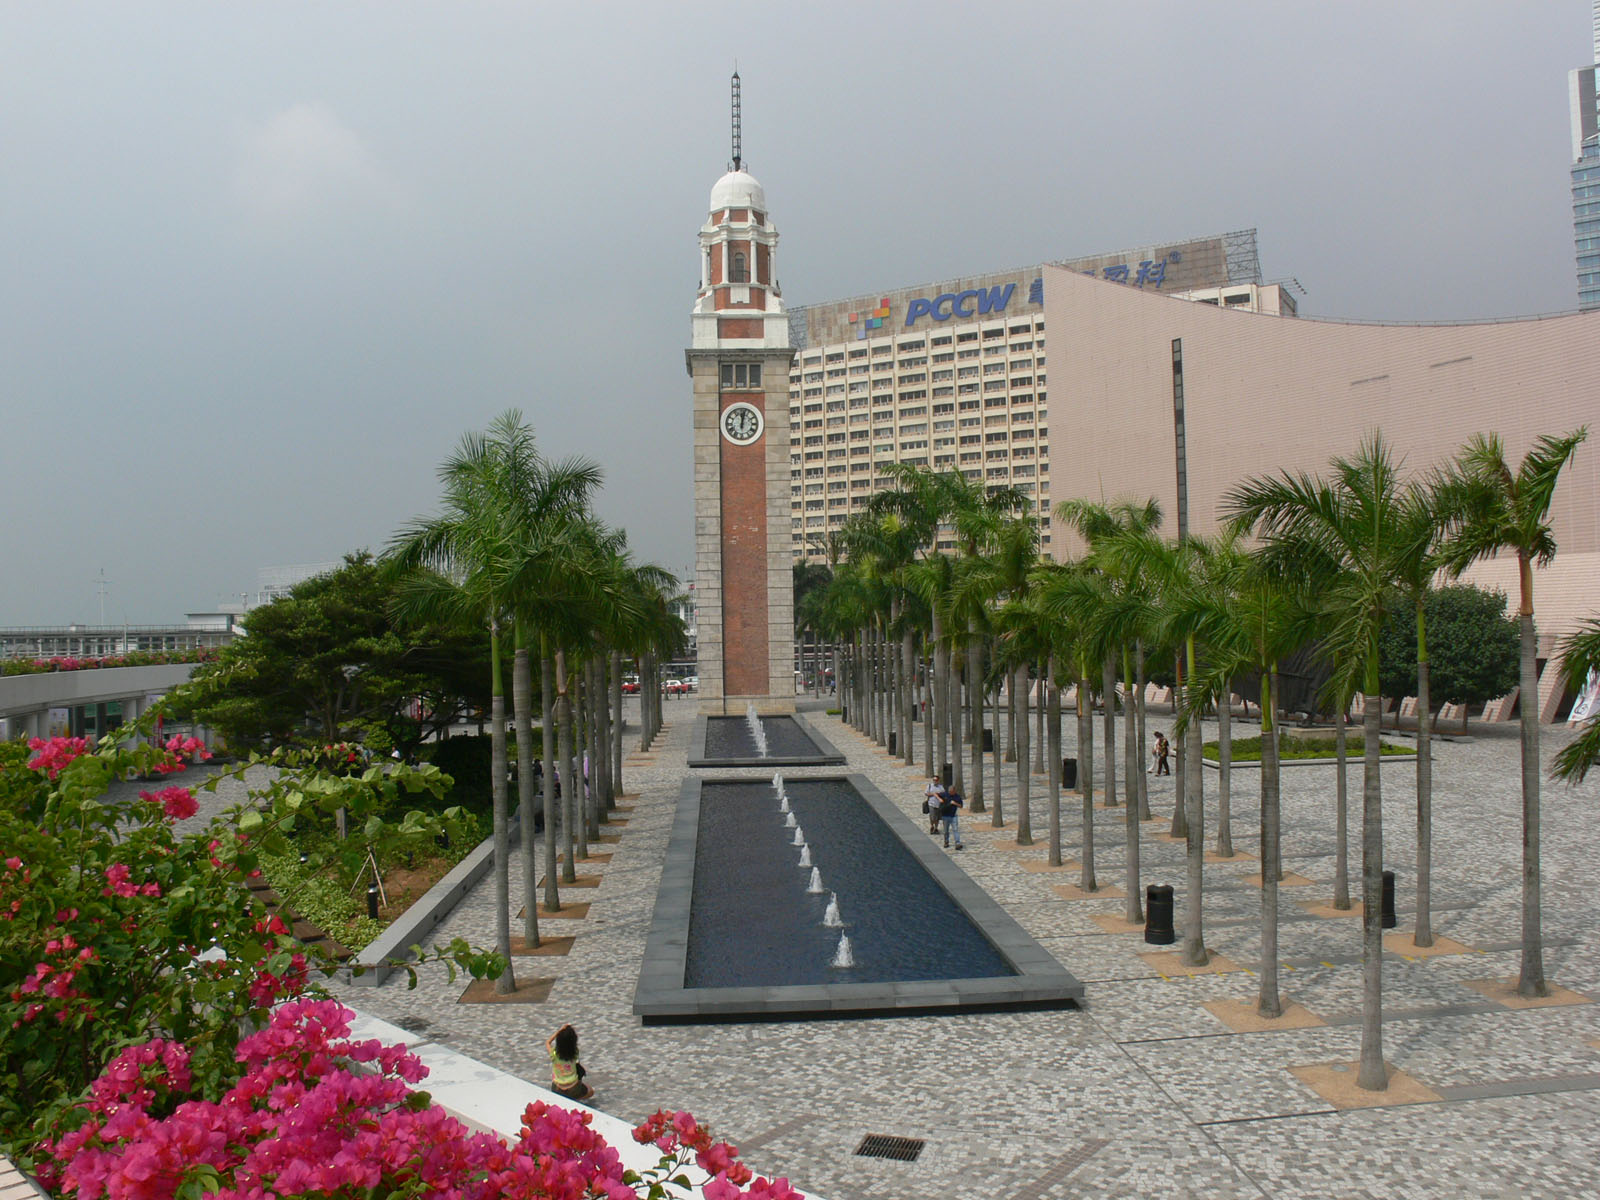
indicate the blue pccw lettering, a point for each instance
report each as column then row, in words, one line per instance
column 960, row 304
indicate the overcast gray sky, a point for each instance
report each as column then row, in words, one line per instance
column 262, row 265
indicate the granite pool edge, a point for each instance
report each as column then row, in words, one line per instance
column 660, row 996
column 827, row 754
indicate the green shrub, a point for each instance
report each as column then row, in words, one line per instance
column 466, row 760
column 1248, row 750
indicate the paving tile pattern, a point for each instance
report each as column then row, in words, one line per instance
column 1142, row 1092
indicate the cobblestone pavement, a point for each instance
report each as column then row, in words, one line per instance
column 1143, row 1092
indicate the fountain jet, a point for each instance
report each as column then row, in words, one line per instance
column 758, row 731
column 831, row 918
column 842, row 956
column 816, row 883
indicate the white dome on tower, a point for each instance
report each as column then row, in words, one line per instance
column 738, row 189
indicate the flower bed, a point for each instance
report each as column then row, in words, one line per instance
column 311, row 1112
column 136, row 658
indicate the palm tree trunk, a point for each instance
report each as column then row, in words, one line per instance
column 1341, row 817
column 522, row 710
column 958, row 772
column 875, row 684
column 1016, row 713
column 939, row 695
column 1108, row 753
column 891, row 674
column 1372, row 1076
column 1024, row 821
column 1143, row 738
column 600, row 739
column 1086, row 878
column 571, row 828
column 908, row 692
column 1530, row 981
column 507, row 982
column 926, row 688
column 1424, row 929
column 1180, row 783
column 1194, row 945
column 975, row 802
column 1225, row 773
column 617, row 725
column 547, row 694
column 1053, row 775
column 1132, row 755
column 1038, row 724
column 1269, row 1003
column 998, row 818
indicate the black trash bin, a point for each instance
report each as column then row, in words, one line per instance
column 1069, row 773
column 1388, row 919
column 988, row 741
column 1158, row 930
column 894, row 743
column 948, row 775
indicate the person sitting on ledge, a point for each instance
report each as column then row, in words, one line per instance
column 566, row 1072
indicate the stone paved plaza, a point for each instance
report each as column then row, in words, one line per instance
column 1144, row 1092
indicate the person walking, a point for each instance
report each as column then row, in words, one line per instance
column 932, row 801
column 950, row 814
column 1160, row 753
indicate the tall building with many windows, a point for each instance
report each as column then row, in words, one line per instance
column 1586, row 175
column 952, row 376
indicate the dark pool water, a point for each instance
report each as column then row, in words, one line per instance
column 729, row 737
column 754, row 925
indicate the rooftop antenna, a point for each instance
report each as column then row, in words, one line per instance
column 737, row 155
column 102, row 583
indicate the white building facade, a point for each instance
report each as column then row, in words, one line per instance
column 952, row 376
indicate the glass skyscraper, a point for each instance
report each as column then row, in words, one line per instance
column 1586, row 176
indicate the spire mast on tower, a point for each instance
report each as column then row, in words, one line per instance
column 737, row 156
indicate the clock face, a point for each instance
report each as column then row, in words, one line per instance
column 741, row 423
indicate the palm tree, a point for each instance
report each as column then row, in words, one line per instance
column 1424, row 519
column 1075, row 600
column 1580, row 654
column 1177, row 572
column 1499, row 508
column 1355, row 520
column 1249, row 621
column 473, row 544
column 547, row 583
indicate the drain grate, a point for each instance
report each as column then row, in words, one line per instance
column 901, row 1149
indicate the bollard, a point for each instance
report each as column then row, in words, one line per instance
column 1388, row 919
column 1158, row 930
column 372, row 899
column 1069, row 773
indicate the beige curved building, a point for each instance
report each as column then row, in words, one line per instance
column 1262, row 393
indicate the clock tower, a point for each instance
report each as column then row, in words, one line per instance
column 739, row 360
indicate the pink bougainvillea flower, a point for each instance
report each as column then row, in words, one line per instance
column 177, row 802
column 52, row 756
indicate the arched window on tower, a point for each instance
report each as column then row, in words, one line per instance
column 740, row 273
